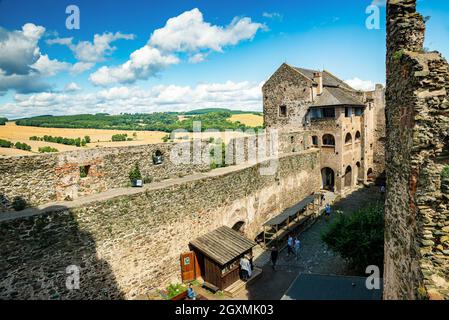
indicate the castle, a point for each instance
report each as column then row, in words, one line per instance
column 127, row 241
column 346, row 125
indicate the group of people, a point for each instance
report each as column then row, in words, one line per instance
column 293, row 249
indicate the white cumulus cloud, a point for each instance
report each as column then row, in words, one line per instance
column 187, row 33
column 234, row 95
column 363, row 85
column 95, row 51
column 143, row 63
column 71, row 87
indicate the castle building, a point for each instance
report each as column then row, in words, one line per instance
column 347, row 125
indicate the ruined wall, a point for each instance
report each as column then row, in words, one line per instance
column 130, row 244
column 379, row 134
column 53, row 177
column 417, row 206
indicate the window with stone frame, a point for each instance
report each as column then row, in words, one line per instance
column 328, row 140
column 283, row 111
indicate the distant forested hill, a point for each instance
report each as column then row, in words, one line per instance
column 209, row 110
column 161, row 121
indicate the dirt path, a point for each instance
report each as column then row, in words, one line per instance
column 314, row 256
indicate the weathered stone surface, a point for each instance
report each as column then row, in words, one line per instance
column 52, row 177
column 128, row 245
column 417, row 149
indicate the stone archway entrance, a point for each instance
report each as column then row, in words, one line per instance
column 239, row 226
column 348, row 177
column 328, row 179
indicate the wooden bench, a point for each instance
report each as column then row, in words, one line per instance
column 210, row 287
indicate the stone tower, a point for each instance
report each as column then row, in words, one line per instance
column 417, row 151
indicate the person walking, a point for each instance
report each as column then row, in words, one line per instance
column 274, row 256
column 289, row 245
column 327, row 212
column 382, row 191
column 297, row 246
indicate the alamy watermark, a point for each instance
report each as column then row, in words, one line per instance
column 372, row 282
column 234, row 147
column 73, row 20
column 73, row 279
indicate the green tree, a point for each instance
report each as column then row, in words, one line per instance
column 359, row 237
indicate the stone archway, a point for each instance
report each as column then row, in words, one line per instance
column 348, row 177
column 358, row 172
column 239, row 226
column 328, row 179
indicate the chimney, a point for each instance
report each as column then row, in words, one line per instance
column 318, row 78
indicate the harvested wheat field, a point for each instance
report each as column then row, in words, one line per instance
column 248, row 119
column 14, row 133
column 99, row 138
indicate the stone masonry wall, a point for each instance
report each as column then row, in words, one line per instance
column 286, row 88
column 54, row 177
column 131, row 244
column 417, row 206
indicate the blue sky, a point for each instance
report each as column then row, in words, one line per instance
column 141, row 64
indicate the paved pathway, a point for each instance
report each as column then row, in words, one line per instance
column 314, row 256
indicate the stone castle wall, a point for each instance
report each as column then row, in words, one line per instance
column 54, row 177
column 282, row 90
column 417, row 147
column 130, row 244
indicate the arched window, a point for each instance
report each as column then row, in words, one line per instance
column 328, row 179
column 158, row 157
column 357, row 136
column 359, row 172
column 328, row 140
column 239, row 226
column 348, row 177
column 370, row 175
column 348, row 138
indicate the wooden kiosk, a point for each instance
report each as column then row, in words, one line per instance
column 218, row 255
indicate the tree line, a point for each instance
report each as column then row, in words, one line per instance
column 159, row 121
column 79, row 142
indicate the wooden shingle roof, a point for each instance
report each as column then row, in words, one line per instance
column 223, row 244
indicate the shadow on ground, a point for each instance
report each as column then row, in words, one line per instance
column 314, row 258
column 37, row 250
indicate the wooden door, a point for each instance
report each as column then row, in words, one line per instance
column 188, row 266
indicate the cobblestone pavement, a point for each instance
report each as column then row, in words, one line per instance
column 314, row 257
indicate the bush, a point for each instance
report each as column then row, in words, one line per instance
column 119, row 137
column 213, row 163
column 23, row 146
column 19, row 204
column 3, row 121
column 445, row 173
column 135, row 174
column 47, row 149
column 359, row 238
column 5, row 144
column 87, row 139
